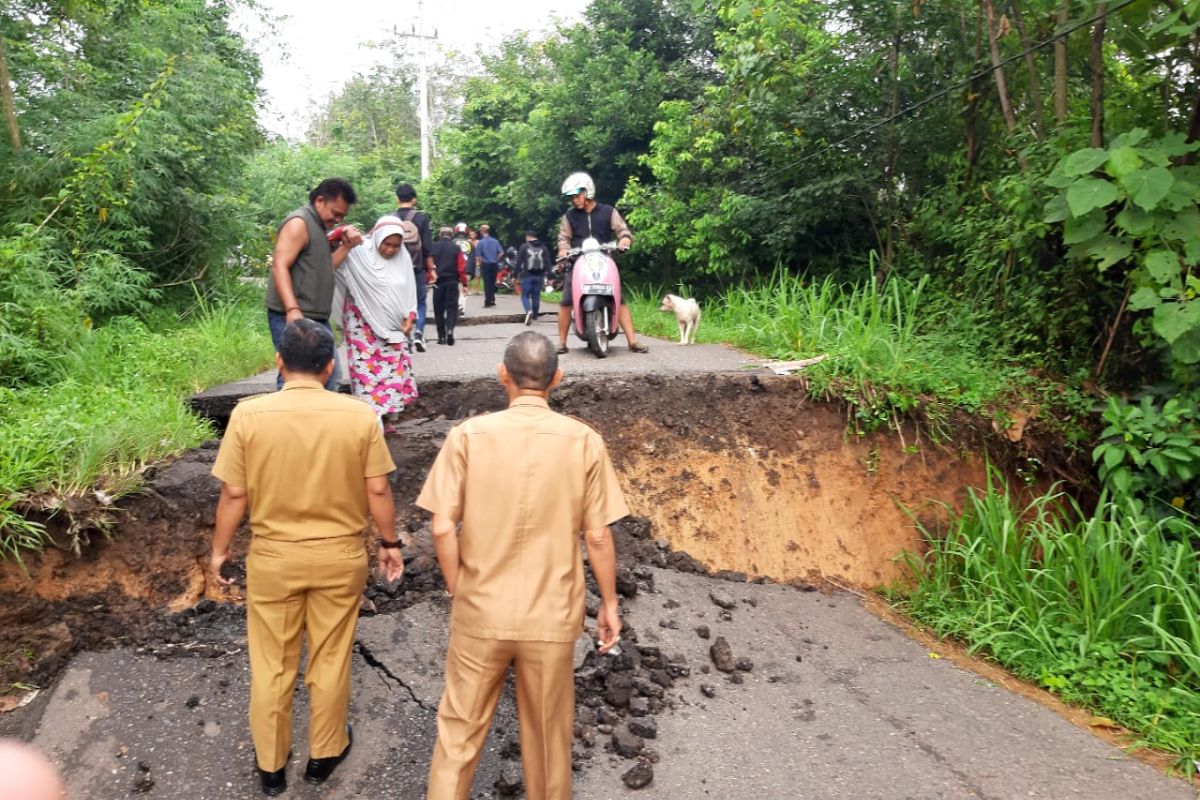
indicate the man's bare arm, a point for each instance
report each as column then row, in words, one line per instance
column 383, row 511
column 602, row 556
column 231, row 509
column 445, row 543
column 293, row 237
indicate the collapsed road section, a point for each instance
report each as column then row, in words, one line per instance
column 736, row 677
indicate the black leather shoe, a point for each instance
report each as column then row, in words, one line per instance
column 319, row 769
column 273, row 783
column 450, row 339
column 441, row 340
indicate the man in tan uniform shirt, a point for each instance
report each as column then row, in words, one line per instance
column 309, row 463
column 515, row 573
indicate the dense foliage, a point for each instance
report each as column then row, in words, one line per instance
column 129, row 123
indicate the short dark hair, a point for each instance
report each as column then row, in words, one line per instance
column 306, row 347
column 332, row 189
column 531, row 234
column 405, row 192
column 531, row 360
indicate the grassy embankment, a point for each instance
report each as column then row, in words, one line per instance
column 1102, row 608
column 115, row 404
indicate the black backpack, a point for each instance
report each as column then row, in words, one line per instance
column 533, row 260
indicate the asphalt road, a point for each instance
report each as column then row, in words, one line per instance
column 838, row 705
column 479, row 347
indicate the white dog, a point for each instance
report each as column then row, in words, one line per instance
column 687, row 315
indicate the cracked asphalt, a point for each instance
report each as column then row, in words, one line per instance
column 838, row 705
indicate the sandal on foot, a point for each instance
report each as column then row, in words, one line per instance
column 562, row 348
column 638, row 347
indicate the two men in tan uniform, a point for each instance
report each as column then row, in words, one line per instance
column 514, row 571
column 309, row 464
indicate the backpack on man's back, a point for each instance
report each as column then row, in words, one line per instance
column 533, row 259
column 412, row 235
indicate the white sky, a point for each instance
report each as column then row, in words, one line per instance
column 298, row 75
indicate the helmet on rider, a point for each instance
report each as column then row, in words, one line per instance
column 578, row 182
column 460, row 227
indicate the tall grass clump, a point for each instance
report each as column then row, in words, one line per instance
column 1101, row 608
column 116, row 401
column 889, row 346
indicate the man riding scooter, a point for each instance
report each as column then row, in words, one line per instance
column 588, row 219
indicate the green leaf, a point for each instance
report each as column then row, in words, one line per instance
column 1143, row 299
column 1147, row 187
column 1084, row 229
column 1112, row 457
column 1185, row 225
column 1082, row 162
column 1056, row 209
column 1134, row 221
column 1089, row 193
column 1108, row 250
column 1173, row 320
column 1130, row 138
column 1163, row 266
column 1123, row 161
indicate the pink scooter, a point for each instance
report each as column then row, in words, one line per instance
column 596, row 292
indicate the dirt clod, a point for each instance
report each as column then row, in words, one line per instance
column 639, row 777
column 722, row 655
column 722, row 600
column 626, row 743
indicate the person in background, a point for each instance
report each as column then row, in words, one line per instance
column 378, row 313
column 309, row 465
column 488, row 253
column 406, row 201
column 585, row 219
column 302, row 265
column 464, row 238
column 449, row 273
column 514, row 572
column 532, row 261
column 26, row 774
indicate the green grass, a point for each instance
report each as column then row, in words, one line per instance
column 890, row 348
column 117, row 403
column 1102, row 609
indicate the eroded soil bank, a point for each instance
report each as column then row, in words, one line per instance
column 731, row 473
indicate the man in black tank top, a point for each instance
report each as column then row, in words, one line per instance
column 588, row 218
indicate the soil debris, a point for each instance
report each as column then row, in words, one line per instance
column 639, row 776
column 722, row 655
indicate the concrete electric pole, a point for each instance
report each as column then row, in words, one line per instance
column 422, row 39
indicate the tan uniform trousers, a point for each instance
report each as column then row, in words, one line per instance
column 312, row 586
column 475, row 670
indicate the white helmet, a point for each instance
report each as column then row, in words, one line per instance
column 577, row 182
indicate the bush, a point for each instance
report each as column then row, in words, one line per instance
column 1102, row 608
column 116, row 404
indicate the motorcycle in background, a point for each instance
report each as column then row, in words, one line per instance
column 596, row 294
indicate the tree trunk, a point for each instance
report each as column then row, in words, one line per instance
column 890, row 174
column 1097, row 65
column 7, row 100
column 1010, row 119
column 1060, row 66
column 974, row 90
column 1035, row 86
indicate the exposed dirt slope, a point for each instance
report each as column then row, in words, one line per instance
column 746, row 474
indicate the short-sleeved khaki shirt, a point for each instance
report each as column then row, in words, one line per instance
column 524, row 482
column 302, row 454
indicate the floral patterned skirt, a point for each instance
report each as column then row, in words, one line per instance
column 380, row 372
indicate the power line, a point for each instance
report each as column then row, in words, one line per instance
column 942, row 92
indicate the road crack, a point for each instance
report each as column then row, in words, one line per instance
column 378, row 664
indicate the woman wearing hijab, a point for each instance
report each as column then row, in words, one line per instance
column 379, row 310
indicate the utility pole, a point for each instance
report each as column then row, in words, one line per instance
column 418, row 34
